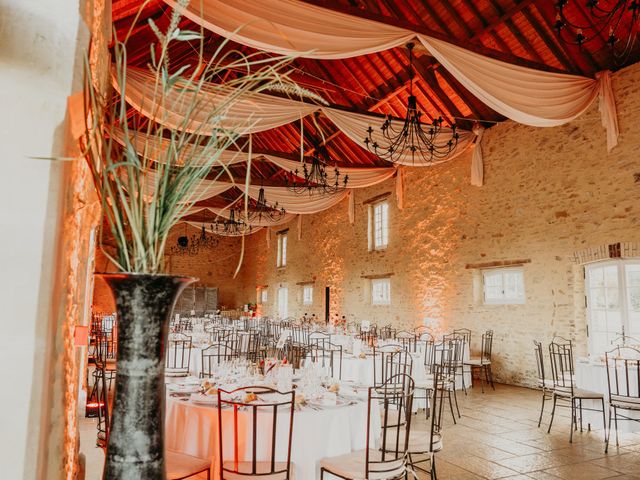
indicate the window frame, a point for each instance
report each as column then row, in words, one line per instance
column 623, row 301
column 504, row 300
column 384, row 301
column 308, row 287
column 379, row 242
column 264, row 295
column 281, row 254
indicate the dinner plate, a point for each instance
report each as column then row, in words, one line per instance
column 175, row 387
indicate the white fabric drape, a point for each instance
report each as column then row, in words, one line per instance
column 201, row 191
column 608, row 111
column 261, row 112
column 400, row 187
column 477, row 162
column 198, row 225
column 248, row 113
column 293, row 27
column 295, row 203
column 152, row 148
column 299, row 227
column 359, row 177
column 532, row 97
column 290, row 27
column 263, row 222
column 352, row 207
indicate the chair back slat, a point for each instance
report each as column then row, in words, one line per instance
column 623, row 376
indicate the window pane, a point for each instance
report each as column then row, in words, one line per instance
column 284, row 250
column 380, row 291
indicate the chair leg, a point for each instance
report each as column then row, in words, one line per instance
column 455, row 397
column 491, row 377
column 544, row 398
column 607, row 434
column 464, row 387
column 580, row 403
column 451, row 407
column 434, row 476
column 321, row 473
column 604, row 421
column 574, row 423
column 553, row 411
column 615, row 420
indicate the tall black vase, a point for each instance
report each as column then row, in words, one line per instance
column 144, row 304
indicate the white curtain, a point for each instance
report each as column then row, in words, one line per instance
column 292, row 27
column 607, row 107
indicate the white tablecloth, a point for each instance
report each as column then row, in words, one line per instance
column 592, row 376
column 193, row 429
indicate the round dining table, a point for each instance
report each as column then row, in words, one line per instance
column 318, row 432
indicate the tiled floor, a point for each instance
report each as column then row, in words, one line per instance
column 497, row 437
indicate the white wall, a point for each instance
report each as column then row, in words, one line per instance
column 38, row 41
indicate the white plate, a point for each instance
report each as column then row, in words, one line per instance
column 174, row 387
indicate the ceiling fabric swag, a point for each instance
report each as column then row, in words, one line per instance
column 152, row 148
column 292, row 27
column 259, row 112
column 477, row 163
column 253, row 112
column 359, row 177
column 222, row 234
column 201, row 191
column 526, row 95
column 262, row 222
column 294, row 203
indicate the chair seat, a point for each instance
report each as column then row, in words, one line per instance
column 262, row 470
column 418, row 442
column 352, row 466
column 180, row 465
column 477, row 362
column 425, row 383
column 578, row 393
column 624, row 402
column 175, row 372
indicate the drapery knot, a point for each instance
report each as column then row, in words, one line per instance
column 607, row 108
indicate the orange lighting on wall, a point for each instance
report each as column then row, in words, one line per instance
column 81, row 336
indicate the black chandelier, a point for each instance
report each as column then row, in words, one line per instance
column 315, row 179
column 615, row 22
column 420, row 140
column 194, row 244
column 262, row 210
column 232, row 226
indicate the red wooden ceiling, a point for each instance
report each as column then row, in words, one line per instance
column 517, row 31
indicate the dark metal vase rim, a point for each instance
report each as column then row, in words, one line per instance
column 142, row 274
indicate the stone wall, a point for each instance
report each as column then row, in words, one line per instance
column 213, row 268
column 549, row 192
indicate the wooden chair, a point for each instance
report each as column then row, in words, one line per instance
column 273, row 405
column 395, row 397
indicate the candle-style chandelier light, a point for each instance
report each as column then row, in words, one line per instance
column 424, row 142
column 614, row 22
column 192, row 245
column 315, row 179
column 264, row 211
column 232, row 226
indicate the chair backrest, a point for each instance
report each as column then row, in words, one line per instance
column 390, row 360
column 407, row 340
column 487, row 345
column 387, row 332
column 262, row 420
column 625, row 341
column 623, row 376
column 465, row 333
column 319, row 339
column 214, row 355
column 178, row 352
column 395, row 398
column 459, row 343
column 537, row 347
column 368, row 337
column 249, row 345
column 327, row 355
column 429, row 355
column 562, row 372
column 106, row 347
